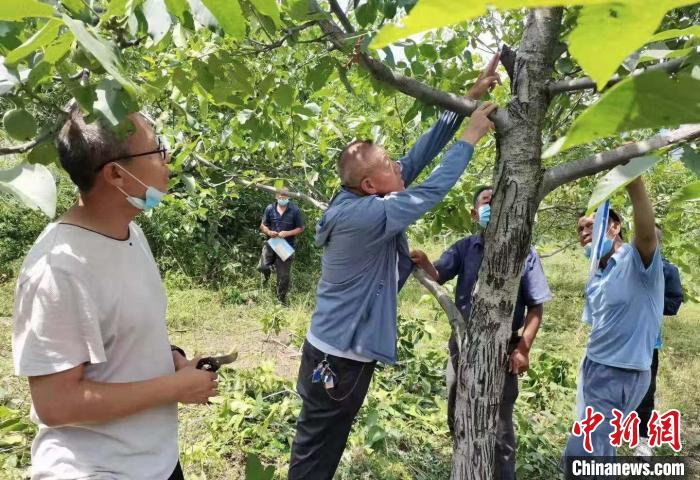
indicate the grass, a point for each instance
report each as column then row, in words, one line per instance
column 401, row 432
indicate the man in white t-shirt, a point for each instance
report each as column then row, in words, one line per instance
column 89, row 322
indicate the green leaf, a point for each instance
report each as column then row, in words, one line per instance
column 104, row 52
column 651, row 100
column 77, row 8
column 418, row 68
column 229, row 15
column 19, row 124
column 428, row 51
column 58, row 49
column 190, row 184
column 45, row 153
column 606, row 34
column 431, row 14
column 158, row 19
column 254, row 470
column 19, row 9
column 119, row 8
column 33, row 185
column 318, row 76
column 689, row 193
column 605, row 45
column 284, row 96
column 112, row 102
column 618, row 178
column 299, row 10
column 268, row 8
column 239, row 78
column 179, row 8
column 40, row 39
column 693, row 31
column 691, row 159
column 39, row 74
column 365, row 14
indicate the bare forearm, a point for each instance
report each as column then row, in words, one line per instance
column 533, row 319
column 86, row 402
column 643, row 214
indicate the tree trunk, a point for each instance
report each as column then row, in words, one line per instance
column 518, row 175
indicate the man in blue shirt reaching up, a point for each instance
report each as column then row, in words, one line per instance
column 463, row 260
column 624, row 302
column 365, row 263
column 673, row 297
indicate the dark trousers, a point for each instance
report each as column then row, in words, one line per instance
column 504, row 469
column 326, row 415
column 647, row 406
column 268, row 258
column 177, row 473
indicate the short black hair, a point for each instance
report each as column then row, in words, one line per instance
column 84, row 146
column 479, row 190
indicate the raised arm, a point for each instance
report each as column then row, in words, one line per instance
column 404, row 208
column 645, row 240
column 430, row 144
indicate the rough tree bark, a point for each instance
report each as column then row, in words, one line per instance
column 518, row 175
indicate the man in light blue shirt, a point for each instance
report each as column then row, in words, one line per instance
column 365, row 263
column 624, row 302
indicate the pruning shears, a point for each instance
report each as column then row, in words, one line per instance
column 212, row 364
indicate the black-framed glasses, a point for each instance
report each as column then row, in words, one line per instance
column 162, row 149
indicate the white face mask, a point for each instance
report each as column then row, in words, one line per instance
column 153, row 195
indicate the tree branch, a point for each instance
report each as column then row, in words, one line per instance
column 265, row 47
column 451, row 310
column 335, row 8
column 25, row 147
column 559, row 250
column 409, row 86
column 568, row 172
column 247, row 183
column 586, row 83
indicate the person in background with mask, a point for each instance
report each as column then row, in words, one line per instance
column 281, row 219
column 462, row 260
column 624, row 300
column 673, row 297
column 89, row 326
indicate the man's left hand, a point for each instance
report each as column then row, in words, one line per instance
column 519, row 361
column 283, row 234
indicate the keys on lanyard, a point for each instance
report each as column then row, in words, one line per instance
column 323, row 373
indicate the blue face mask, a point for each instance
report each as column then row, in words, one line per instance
column 484, row 215
column 153, row 195
column 283, row 202
column 604, row 248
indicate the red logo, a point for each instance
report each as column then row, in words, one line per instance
column 587, row 426
column 665, row 428
column 626, row 430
